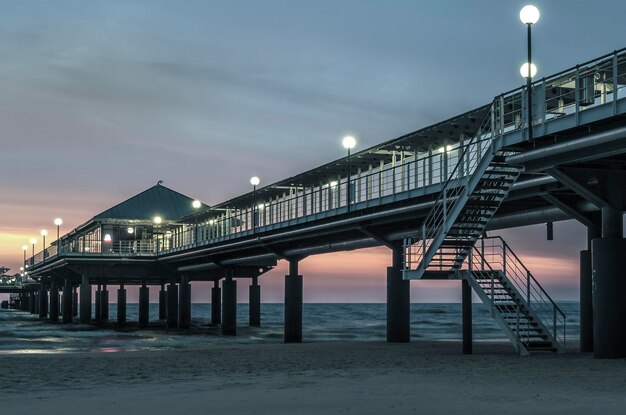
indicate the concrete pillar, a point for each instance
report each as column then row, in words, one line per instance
column 254, row 303
column 184, row 303
column 85, row 301
column 121, row 306
column 229, row 305
column 172, row 306
column 33, row 302
column 54, row 301
column 75, row 302
column 466, row 294
column 98, row 309
column 104, row 303
column 144, row 305
column 216, row 303
column 162, row 303
column 293, row 304
column 37, row 301
column 398, row 301
column 68, row 297
column 586, row 303
column 609, row 308
column 43, row 302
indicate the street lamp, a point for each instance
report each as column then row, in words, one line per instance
column 529, row 15
column 33, row 241
column 44, row 233
column 254, row 181
column 58, row 222
column 24, row 248
column 196, row 204
column 348, row 143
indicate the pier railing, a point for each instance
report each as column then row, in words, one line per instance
column 495, row 254
column 564, row 96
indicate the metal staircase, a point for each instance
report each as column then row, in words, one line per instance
column 470, row 197
column 526, row 313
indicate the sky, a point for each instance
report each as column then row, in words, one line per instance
column 102, row 99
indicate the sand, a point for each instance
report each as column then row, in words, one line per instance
column 312, row 378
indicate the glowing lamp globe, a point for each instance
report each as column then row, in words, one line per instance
column 58, row 221
column 254, row 181
column 348, row 142
column 44, row 232
column 157, row 220
column 529, row 14
column 196, row 204
column 524, row 70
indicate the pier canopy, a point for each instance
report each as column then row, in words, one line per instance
column 132, row 227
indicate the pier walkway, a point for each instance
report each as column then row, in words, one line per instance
column 431, row 196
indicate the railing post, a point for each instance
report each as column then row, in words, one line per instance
column 614, row 103
column 554, row 320
column 517, row 333
column 504, row 258
column 482, row 253
column 577, row 93
column 528, row 289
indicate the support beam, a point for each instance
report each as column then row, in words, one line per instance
column 144, row 305
column 293, row 304
column 85, row 301
column 68, row 298
column 229, row 305
column 466, row 295
column 216, row 303
column 184, row 303
column 162, row 303
column 172, row 305
column 33, row 302
column 586, row 302
column 121, row 306
column 609, row 307
column 43, row 302
column 398, row 301
column 578, row 187
column 568, row 208
column 254, row 303
column 54, row 301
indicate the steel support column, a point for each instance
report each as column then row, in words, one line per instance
column 293, row 304
column 162, row 303
column 43, row 302
column 85, row 301
column 229, row 305
column 121, row 306
column 68, row 298
column 54, row 301
column 254, row 303
column 216, row 303
column 104, row 303
column 172, row 305
column 398, row 301
column 184, row 303
column 466, row 294
column 144, row 305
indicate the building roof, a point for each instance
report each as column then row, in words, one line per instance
column 155, row 201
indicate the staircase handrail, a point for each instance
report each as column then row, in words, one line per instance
column 532, row 291
column 429, row 229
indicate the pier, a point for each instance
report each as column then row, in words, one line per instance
column 431, row 197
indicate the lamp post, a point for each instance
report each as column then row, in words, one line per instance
column 24, row 248
column 529, row 15
column 33, row 241
column 348, row 143
column 44, row 233
column 58, row 222
column 196, row 205
column 254, row 181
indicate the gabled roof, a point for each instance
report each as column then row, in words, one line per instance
column 155, row 201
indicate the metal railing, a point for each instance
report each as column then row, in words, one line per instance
column 417, row 247
column 408, row 172
column 495, row 254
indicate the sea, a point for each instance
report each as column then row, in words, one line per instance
column 23, row 333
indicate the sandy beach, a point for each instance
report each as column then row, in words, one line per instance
column 313, row 378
